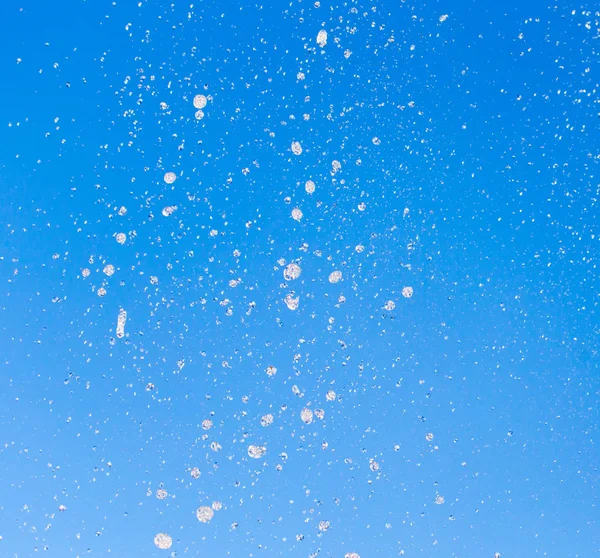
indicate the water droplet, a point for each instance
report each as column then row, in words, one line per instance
column 170, row 177
column 306, row 415
column 200, row 101
column 291, row 272
column 335, row 276
column 266, row 420
column 292, row 302
column 204, row 514
column 256, row 452
column 121, row 320
column 109, row 270
column 322, row 38
column 163, row 541
column 161, row 494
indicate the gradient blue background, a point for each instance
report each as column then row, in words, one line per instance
column 488, row 124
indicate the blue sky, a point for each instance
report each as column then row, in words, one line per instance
column 454, row 149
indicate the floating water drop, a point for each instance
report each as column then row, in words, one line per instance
column 322, row 38
column 163, row 541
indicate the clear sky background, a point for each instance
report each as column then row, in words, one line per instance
column 454, row 148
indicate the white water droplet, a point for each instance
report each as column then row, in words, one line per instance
column 121, row 320
column 291, row 272
column 200, row 101
column 322, row 38
column 163, row 541
column 306, row 415
column 256, row 452
column 335, row 276
column 170, row 177
column 204, row 514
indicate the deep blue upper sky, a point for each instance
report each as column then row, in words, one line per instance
column 454, row 148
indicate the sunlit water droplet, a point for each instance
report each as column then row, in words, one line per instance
column 204, row 514
column 163, row 541
column 170, row 177
column 256, row 452
column 200, row 101
column 121, row 321
column 291, row 272
column 324, row 526
column 266, row 420
column 306, row 415
column 109, row 270
column 335, row 276
column 292, row 302
column 161, row 494
column 322, row 38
